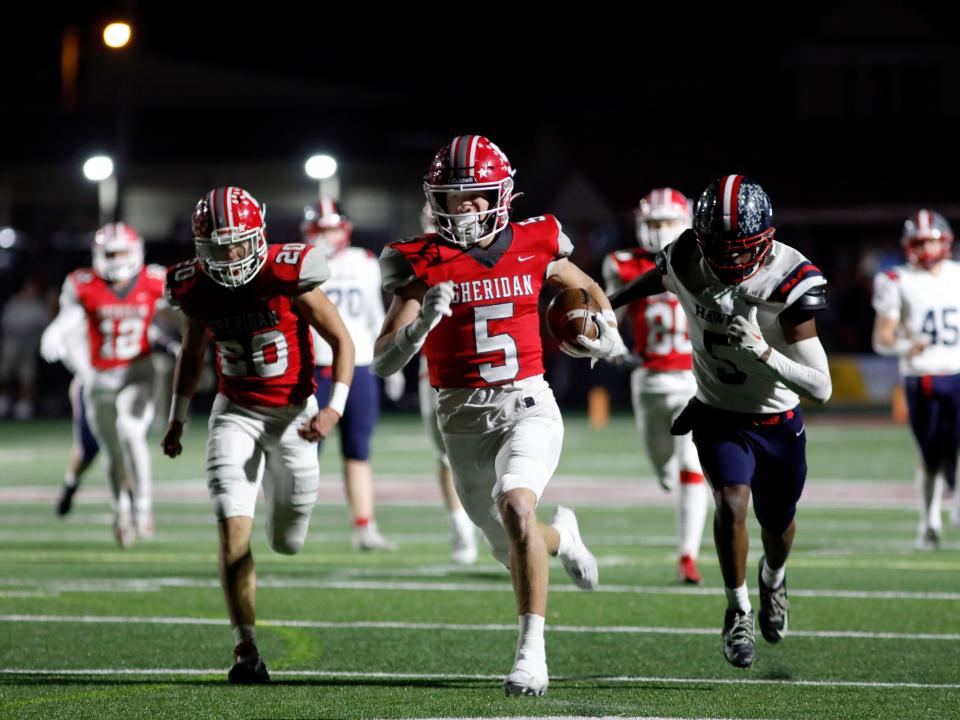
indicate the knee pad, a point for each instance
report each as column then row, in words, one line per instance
column 287, row 532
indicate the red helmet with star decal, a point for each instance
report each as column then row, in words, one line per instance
column 228, row 232
column 469, row 163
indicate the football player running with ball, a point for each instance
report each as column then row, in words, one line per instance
column 751, row 303
column 468, row 294
column 257, row 304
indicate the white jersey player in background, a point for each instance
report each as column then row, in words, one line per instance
column 918, row 321
column 464, row 543
column 354, row 287
column 663, row 383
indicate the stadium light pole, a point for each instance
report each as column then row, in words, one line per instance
column 323, row 168
column 99, row 169
column 117, row 36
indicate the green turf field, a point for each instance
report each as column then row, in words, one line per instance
column 90, row 630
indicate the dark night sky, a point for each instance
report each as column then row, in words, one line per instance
column 627, row 101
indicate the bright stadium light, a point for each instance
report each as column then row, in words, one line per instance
column 8, row 238
column 116, row 35
column 321, row 167
column 98, row 168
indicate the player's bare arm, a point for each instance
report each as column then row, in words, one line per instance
column 886, row 342
column 650, row 283
column 564, row 274
column 322, row 314
column 186, row 376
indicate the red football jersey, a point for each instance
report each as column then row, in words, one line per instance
column 659, row 325
column 493, row 335
column 264, row 351
column 117, row 320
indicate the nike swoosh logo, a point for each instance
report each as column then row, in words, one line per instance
column 802, row 428
column 524, row 259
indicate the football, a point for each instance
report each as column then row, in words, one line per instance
column 570, row 314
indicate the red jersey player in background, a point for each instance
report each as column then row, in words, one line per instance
column 468, row 294
column 117, row 298
column 257, row 304
column 663, row 383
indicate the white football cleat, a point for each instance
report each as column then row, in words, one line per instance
column 367, row 537
column 146, row 527
column 577, row 560
column 123, row 529
column 528, row 677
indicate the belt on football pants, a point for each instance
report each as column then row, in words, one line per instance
column 747, row 419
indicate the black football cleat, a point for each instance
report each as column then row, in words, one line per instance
column 248, row 667
column 773, row 610
column 739, row 642
column 65, row 503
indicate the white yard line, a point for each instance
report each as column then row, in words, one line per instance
column 189, row 672
column 175, row 533
column 268, row 581
column 458, row 627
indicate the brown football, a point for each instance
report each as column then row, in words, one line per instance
column 569, row 315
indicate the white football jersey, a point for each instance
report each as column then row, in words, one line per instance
column 927, row 307
column 727, row 377
column 354, row 287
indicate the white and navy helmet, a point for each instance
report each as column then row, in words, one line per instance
column 732, row 217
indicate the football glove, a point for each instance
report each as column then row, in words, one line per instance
column 744, row 334
column 394, row 385
column 436, row 304
column 607, row 345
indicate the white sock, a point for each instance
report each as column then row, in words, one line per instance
column 565, row 542
column 530, row 642
column 122, row 505
column 930, row 488
column 738, row 598
column 460, row 522
column 772, row 578
column 70, row 480
column 244, row 633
